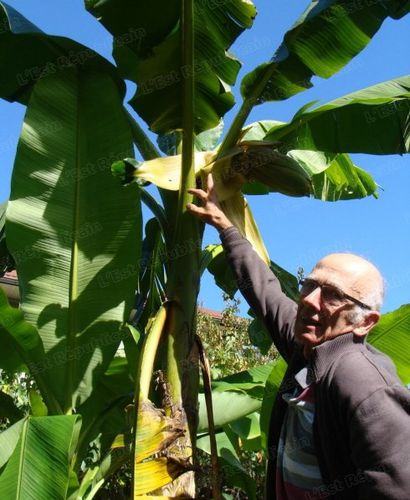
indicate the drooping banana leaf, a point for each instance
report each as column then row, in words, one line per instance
column 104, row 413
column 392, row 336
column 247, row 432
column 323, row 40
column 39, row 466
column 27, row 55
column 334, row 176
column 9, row 439
column 148, row 51
column 374, row 120
column 150, row 293
column 205, row 141
column 271, row 388
column 21, row 343
column 83, row 226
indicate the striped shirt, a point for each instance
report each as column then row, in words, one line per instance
column 297, row 470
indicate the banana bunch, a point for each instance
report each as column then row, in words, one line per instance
column 258, row 161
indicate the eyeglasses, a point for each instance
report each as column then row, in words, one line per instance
column 330, row 294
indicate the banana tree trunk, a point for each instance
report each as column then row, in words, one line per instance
column 182, row 371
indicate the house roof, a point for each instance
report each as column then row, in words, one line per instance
column 210, row 312
column 9, row 283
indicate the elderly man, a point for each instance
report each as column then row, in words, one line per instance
column 340, row 425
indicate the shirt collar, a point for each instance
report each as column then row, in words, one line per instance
column 325, row 354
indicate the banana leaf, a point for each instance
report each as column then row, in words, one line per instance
column 335, row 177
column 235, row 396
column 9, row 439
column 104, row 413
column 151, row 282
column 28, row 55
column 271, row 388
column 81, row 224
column 392, row 336
column 374, row 120
column 148, row 51
column 322, row 41
column 39, row 466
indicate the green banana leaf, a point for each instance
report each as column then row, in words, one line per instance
column 39, row 464
column 215, row 260
column 21, row 343
column 82, row 226
column 25, row 337
column 235, row 396
column 147, row 50
column 205, row 141
column 228, row 406
column 374, row 120
column 152, row 278
column 335, row 177
column 248, row 430
column 27, row 55
column 259, row 336
column 104, row 413
column 271, row 388
column 323, row 40
column 9, row 439
column 94, row 478
column 392, row 336
column 248, row 381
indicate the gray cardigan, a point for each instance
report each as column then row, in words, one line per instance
column 362, row 418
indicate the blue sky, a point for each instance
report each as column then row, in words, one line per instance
column 297, row 231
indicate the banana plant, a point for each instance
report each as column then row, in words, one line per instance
column 75, row 232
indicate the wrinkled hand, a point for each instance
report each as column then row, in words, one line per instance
column 211, row 211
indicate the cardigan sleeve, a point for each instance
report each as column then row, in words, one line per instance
column 262, row 290
column 380, row 444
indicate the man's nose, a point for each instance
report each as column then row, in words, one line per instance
column 313, row 299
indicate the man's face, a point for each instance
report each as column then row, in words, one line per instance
column 319, row 318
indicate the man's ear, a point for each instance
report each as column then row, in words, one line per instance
column 367, row 323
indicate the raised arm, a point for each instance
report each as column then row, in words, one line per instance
column 257, row 283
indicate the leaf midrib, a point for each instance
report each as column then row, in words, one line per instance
column 24, row 433
column 73, row 288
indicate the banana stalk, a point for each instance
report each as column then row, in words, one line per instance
column 154, row 432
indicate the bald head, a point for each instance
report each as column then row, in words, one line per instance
column 356, row 275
